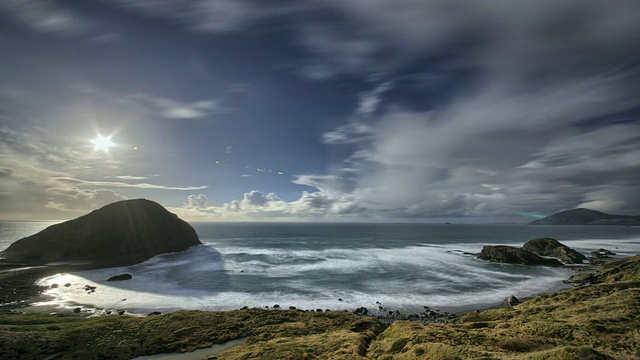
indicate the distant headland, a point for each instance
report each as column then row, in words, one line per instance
column 583, row 216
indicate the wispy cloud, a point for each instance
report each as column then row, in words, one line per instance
column 173, row 109
column 154, row 105
column 130, row 177
column 117, row 184
column 45, row 16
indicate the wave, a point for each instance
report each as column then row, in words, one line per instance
column 403, row 278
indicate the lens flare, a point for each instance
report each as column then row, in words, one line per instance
column 102, row 143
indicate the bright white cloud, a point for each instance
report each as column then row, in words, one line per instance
column 196, row 201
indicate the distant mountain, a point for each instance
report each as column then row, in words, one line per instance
column 586, row 217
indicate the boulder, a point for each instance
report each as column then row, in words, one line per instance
column 512, row 300
column 605, row 252
column 121, row 277
column 513, row 255
column 121, row 233
column 552, row 247
column 598, row 255
column 361, row 311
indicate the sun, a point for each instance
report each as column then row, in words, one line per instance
column 102, row 143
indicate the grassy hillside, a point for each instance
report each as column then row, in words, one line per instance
column 596, row 321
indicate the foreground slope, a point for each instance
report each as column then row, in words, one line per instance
column 121, row 233
column 600, row 320
column 595, row 321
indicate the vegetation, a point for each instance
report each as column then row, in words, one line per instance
column 596, row 321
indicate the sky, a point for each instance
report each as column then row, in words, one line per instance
column 349, row 110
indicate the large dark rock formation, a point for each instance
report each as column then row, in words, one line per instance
column 552, row 247
column 122, row 233
column 586, row 217
column 513, row 255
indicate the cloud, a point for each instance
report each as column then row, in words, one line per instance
column 41, row 175
column 196, row 201
column 79, row 200
column 370, row 100
column 129, row 177
column 149, row 105
column 79, row 182
column 173, row 109
column 538, row 135
column 45, row 16
column 211, row 16
column 257, row 198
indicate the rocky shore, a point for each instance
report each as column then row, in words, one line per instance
column 377, row 332
column 596, row 320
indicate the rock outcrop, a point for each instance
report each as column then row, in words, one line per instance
column 513, row 255
column 121, row 233
column 552, row 247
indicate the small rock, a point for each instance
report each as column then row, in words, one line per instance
column 361, row 311
column 318, row 310
column 121, row 277
column 53, row 286
column 339, row 299
column 154, row 313
column 605, row 252
column 512, row 300
column 77, row 310
column 276, row 306
column 292, row 308
column 109, row 312
column 598, row 255
column 67, row 284
column 121, row 312
column 244, row 308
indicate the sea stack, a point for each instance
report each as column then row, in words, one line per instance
column 121, row 233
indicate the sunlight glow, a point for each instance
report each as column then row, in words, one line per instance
column 102, row 143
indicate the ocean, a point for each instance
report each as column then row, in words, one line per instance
column 329, row 266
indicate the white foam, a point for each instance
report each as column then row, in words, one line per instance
column 438, row 276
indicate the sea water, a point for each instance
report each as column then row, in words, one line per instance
column 330, row 266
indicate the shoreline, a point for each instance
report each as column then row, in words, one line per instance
column 31, row 293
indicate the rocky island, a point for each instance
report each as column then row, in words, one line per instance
column 121, row 233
